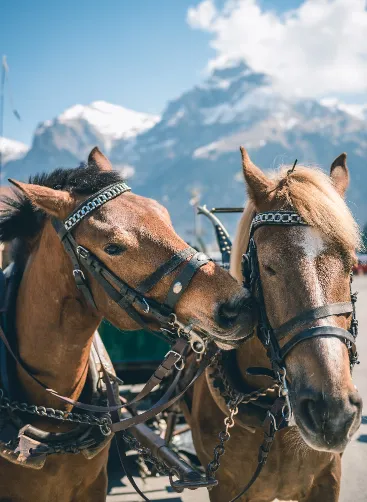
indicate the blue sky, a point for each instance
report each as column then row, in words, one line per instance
column 136, row 53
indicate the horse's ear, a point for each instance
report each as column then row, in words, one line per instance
column 258, row 185
column 101, row 161
column 339, row 174
column 54, row 202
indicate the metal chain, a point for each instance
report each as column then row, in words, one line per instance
column 235, row 396
column 104, row 422
column 146, row 454
column 224, row 436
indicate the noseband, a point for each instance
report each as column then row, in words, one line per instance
column 271, row 338
column 127, row 297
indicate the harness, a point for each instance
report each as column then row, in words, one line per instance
column 278, row 412
column 131, row 300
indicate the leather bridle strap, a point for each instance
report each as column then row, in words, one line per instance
column 163, row 403
column 176, row 354
column 319, row 331
column 165, row 269
column 183, row 279
column 312, row 315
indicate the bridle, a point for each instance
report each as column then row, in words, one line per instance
column 271, row 338
column 128, row 298
column 279, row 414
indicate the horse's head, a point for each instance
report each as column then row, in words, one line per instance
column 132, row 236
column 301, row 268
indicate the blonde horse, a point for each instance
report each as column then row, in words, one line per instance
column 301, row 268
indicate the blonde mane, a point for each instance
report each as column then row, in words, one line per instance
column 312, row 194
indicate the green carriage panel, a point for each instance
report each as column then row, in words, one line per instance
column 132, row 349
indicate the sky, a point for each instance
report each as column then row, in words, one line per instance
column 142, row 53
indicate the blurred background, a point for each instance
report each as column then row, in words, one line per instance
column 170, row 90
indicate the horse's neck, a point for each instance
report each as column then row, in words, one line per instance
column 54, row 328
column 253, row 354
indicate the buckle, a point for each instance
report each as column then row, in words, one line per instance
column 77, row 272
column 82, row 252
column 180, row 359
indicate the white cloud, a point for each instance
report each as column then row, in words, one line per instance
column 318, row 49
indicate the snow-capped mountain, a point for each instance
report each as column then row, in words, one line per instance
column 358, row 111
column 12, row 150
column 67, row 139
column 111, row 122
column 195, row 144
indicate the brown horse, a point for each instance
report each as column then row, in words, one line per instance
column 301, row 267
column 132, row 236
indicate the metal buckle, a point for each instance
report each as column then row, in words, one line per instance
column 273, row 419
column 180, row 359
column 197, row 343
column 144, row 305
column 82, row 252
column 77, row 271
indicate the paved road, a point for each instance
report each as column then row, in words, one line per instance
column 354, row 485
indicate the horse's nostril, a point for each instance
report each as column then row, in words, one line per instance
column 308, row 409
column 332, row 420
column 227, row 315
column 355, row 400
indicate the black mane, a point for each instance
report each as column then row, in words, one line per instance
column 21, row 220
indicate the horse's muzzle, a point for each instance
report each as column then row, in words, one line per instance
column 328, row 422
column 237, row 315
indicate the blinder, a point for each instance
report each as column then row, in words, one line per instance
column 271, row 337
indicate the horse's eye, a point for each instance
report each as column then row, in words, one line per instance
column 269, row 270
column 114, row 249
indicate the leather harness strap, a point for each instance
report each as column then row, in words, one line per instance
column 317, row 331
column 340, row 308
column 165, row 269
column 178, row 287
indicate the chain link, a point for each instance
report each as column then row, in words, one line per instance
column 146, row 454
column 224, row 436
column 104, row 422
column 233, row 396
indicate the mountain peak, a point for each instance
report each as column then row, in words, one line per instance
column 111, row 121
column 225, row 76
